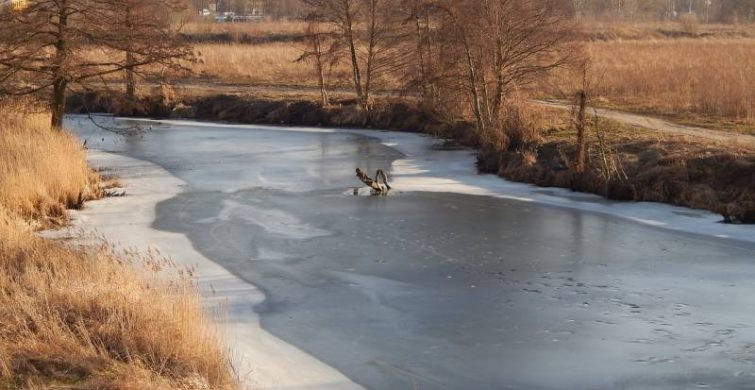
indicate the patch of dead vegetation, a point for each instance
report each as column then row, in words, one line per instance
column 87, row 317
column 95, row 318
column 43, row 171
column 637, row 167
column 701, row 82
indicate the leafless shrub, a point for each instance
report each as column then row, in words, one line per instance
column 368, row 34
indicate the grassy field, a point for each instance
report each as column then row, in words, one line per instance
column 270, row 63
column 87, row 317
column 708, row 82
column 43, row 171
column 702, row 75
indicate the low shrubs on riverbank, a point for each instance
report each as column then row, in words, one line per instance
column 87, row 317
column 624, row 164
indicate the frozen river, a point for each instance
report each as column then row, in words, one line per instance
column 455, row 281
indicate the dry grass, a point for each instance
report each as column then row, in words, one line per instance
column 43, row 171
column 93, row 318
column 627, row 163
column 271, row 63
column 87, row 318
column 704, row 78
column 709, row 82
column 681, row 78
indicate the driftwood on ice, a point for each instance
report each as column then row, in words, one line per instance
column 375, row 184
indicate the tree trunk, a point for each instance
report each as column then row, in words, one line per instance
column 420, row 51
column 319, row 68
column 321, row 81
column 60, row 80
column 472, row 72
column 130, row 79
column 58, row 106
column 370, row 54
column 500, row 90
column 581, row 108
column 429, row 70
column 353, row 51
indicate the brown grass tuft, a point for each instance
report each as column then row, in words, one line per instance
column 260, row 29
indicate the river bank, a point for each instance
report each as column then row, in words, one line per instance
column 647, row 166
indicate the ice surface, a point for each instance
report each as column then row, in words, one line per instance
column 424, row 168
column 457, row 280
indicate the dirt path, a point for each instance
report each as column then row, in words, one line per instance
column 661, row 125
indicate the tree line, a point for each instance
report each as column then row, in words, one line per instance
column 462, row 58
column 49, row 46
column 720, row 11
column 725, row 11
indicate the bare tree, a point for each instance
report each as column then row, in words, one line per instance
column 49, row 46
column 383, row 38
column 320, row 51
column 491, row 48
column 343, row 16
column 421, row 17
column 150, row 37
column 370, row 34
column 460, row 57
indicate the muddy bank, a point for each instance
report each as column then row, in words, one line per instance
column 677, row 172
column 709, row 178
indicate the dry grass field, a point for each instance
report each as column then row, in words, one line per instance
column 702, row 77
column 271, row 63
column 264, row 64
column 709, row 82
column 87, row 317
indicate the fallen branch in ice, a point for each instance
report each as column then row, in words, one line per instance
column 375, row 184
